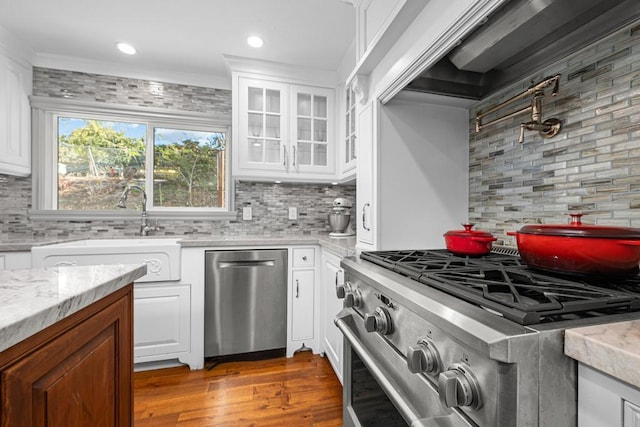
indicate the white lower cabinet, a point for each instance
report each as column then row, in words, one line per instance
column 330, row 336
column 302, row 325
column 302, row 305
column 19, row 260
column 302, row 298
column 162, row 321
column 606, row 401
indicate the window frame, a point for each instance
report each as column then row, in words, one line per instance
column 45, row 113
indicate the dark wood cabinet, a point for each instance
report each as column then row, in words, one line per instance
column 77, row 372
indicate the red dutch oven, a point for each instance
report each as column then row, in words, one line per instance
column 580, row 249
column 468, row 241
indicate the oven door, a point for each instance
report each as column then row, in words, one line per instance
column 379, row 390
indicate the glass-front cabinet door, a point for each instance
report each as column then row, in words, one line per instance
column 313, row 141
column 263, row 133
column 349, row 136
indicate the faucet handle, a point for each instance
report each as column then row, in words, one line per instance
column 523, row 126
column 556, row 87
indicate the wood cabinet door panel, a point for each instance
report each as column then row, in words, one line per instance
column 82, row 376
column 93, row 400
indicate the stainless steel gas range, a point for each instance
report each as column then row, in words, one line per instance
column 434, row 339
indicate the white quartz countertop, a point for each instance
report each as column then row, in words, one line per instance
column 31, row 300
column 340, row 246
column 25, row 244
column 613, row 348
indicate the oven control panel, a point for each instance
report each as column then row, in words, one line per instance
column 463, row 377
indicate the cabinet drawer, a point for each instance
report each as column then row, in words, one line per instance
column 303, row 257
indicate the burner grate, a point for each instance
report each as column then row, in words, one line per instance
column 502, row 284
column 527, row 297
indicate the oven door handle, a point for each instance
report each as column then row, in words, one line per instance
column 389, row 387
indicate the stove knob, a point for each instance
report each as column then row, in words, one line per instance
column 341, row 290
column 423, row 357
column 353, row 298
column 458, row 387
column 378, row 321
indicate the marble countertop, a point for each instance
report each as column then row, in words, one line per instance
column 31, row 300
column 341, row 246
column 613, row 348
column 17, row 245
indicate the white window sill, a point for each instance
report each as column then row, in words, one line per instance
column 130, row 215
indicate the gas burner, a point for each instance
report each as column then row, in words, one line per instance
column 503, row 285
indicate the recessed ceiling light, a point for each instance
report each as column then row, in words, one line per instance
column 126, row 48
column 255, row 41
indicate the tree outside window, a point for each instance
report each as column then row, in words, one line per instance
column 188, row 168
column 97, row 159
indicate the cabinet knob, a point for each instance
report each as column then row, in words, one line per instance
column 304, row 257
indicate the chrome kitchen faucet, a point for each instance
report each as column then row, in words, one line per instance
column 144, row 223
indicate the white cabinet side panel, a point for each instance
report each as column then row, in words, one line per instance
column 423, row 176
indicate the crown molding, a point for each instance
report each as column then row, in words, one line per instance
column 14, row 48
column 292, row 73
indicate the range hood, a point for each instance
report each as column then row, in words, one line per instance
column 520, row 38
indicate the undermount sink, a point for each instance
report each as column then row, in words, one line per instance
column 162, row 256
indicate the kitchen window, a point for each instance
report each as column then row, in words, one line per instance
column 86, row 154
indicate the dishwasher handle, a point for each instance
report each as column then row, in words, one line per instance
column 247, row 263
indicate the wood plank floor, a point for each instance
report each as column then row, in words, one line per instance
column 282, row 392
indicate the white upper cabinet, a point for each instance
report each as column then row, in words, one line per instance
column 373, row 19
column 283, row 131
column 262, row 126
column 365, row 214
column 348, row 155
column 379, row 24
column 15, row 117
column 311, row 129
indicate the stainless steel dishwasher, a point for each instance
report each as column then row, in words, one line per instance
column 245, row 307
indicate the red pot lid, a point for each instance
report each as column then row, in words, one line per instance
column 468, row 232
column 577, row 229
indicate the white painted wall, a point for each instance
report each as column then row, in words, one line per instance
column 423, row 172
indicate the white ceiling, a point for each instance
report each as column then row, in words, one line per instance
column 180, row 39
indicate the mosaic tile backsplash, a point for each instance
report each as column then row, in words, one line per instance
column 269, row 202
column 592, row 165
